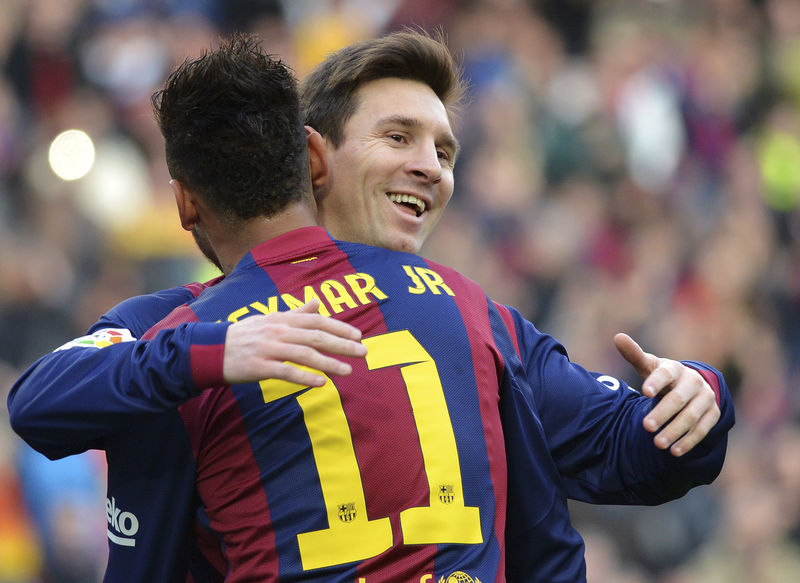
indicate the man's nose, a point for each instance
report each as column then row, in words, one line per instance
column 426, row 165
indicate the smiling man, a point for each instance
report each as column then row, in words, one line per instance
column 397, row 168
column 385, row 108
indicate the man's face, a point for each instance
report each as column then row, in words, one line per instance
column 392, row 175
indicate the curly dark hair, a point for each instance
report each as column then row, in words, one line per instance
column 328, row 93
column 233, row 131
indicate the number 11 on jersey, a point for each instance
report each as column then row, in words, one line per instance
column 350, row 536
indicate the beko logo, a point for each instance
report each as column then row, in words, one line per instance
column 122, row 526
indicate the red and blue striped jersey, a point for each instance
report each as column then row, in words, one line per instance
column 402, row 471
column 396, row 472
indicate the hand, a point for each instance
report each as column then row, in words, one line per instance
column 261, row 347
column 688, row 404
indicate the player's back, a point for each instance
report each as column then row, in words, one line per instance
column 396, row 472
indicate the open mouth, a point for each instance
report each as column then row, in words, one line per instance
column 409, row 201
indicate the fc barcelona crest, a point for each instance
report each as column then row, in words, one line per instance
column 459, row 577
column 446, row 493
column 347, row 512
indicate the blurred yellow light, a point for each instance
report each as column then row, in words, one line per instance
column 71, row 154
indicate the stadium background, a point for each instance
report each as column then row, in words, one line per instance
column 627, row 165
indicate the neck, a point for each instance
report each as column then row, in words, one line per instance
column 230, row 245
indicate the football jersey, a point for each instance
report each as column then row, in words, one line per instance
column 396, row 472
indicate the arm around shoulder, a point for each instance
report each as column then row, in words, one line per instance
column 72, row 399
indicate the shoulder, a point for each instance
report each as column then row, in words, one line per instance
column 139, row 313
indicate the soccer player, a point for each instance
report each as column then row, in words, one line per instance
column 384, row 107
column 580, row 416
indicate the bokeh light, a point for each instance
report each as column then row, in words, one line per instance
column 71, row 154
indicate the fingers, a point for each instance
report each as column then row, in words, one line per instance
column 307, row 316
column 663, row 377
column 307, row 376
column 300, row 376
column 688, row 407
column 697, row 433
column 685, row 415
column 331, row 340
column 682, row 385
column 306, row 354
column 310, row 307
column 294, row 346
column 263, row 358
column 643, row 362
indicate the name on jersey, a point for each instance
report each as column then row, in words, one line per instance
column 348, row 292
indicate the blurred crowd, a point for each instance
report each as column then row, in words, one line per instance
column 627, row 165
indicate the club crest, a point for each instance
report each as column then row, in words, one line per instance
column 347, row 512
column 459, row 577
column 446, row 493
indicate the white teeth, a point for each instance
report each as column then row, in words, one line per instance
column 410, row 199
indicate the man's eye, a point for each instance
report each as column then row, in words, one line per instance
column 443, row 155
column 396, row 137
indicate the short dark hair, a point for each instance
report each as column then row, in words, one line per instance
column 328, row 92
column 233, row 131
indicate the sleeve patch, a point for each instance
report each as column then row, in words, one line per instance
column 100, row 339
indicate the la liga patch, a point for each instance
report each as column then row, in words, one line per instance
column 100, row 339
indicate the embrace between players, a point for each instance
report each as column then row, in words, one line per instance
column 427, row 431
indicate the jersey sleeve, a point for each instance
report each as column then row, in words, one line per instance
column 139, row 313
column 71, row 399
column 593, row 425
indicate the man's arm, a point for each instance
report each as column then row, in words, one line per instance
column 599, row 430
column 71, row 399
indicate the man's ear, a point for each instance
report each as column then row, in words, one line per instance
column 317, row 158
column 184, row 200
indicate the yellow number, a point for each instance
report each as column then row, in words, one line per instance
column 446, row 520
column 350, row 536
